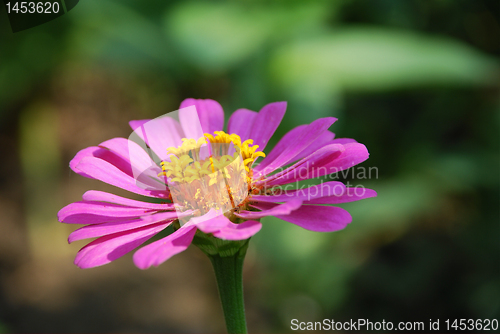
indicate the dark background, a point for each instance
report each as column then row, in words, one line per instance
column 416, row 81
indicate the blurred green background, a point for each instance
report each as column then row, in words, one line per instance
column 416, row 81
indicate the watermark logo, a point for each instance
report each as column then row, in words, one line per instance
column 28, row 14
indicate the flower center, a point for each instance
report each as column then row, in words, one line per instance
column 213, row 172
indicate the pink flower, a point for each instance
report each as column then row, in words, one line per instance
column 121, row 225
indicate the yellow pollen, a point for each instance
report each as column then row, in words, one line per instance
column 185, row 165
column 247, row 151
column 197, row 179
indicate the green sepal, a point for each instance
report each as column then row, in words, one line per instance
column 211, row 245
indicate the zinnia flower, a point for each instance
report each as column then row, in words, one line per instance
column 242, row 189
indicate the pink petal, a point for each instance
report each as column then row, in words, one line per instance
column 354, row 154
column 241, row 122
column 343, row 141
column 159, row 134
column 97, row 212
column 210, row 225
column 324, row 139
column 299, row 142
column 210, row 113
column 223, row 228
column 318, row 164
column 280, row 209
column 100, row 196
column 138, row 123
column 238, row 231
column 310, row 167
column 98, row 230
column 351, row 195
column 147, row 180
column 113, row 246
column 190, row 122
column 332, row 188
column 85, row 153
column 128, row 151
column 159, row 251
column 315, row 217
column 103, row 154
column 104, row 171
column 283, row 143
column 266, row 122
column 135, row 156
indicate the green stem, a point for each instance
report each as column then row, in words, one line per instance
column 229, row 275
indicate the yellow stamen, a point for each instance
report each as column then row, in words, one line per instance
column 220, row 178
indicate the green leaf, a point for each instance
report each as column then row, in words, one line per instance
column 102, row 21
column 215, row 36
column 363, row 58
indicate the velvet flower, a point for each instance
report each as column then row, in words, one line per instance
column 249, row 184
